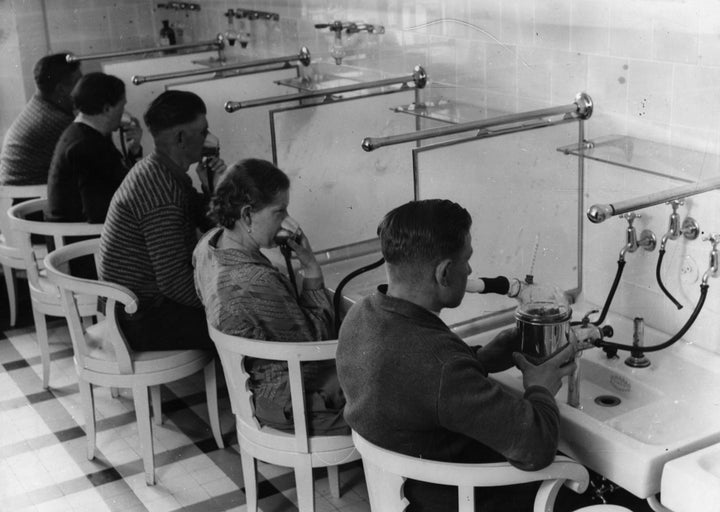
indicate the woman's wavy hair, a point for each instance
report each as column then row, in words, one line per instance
column 250, row 182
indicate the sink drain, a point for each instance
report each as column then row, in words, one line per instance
column 607, row 401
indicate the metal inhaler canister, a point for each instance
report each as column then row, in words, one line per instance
column 543, row 319
column 543, row 329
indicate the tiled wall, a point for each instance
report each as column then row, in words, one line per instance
column 651, row 67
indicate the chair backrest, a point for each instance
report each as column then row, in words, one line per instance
column 56, row 263
column 234, row 349
column 8, row 195
column 386, row 472
column 24, row 228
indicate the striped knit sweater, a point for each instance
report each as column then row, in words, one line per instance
column 150, row 233
column 30, row 142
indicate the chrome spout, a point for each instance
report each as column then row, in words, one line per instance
column 647, row 239
column 712, row 271
column 584, row 335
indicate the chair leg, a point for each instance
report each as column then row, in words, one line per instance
column 212, row 402
column 87, row 398
column 334, row 480
column 142, row 414
column 156, row 397
column 305, row 488
column 44, row 345
column 249, row 479
column 11, row 292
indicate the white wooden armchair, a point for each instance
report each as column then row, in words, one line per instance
column 297, row 450
column 44, row 296
column 104, row 358
column 386, row 472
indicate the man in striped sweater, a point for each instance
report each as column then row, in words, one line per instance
column 152, row 226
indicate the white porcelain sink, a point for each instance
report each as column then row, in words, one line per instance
column 665, row 411
column 692, row 483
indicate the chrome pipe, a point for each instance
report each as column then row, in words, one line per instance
column 218, row 42
column 600, row 212
column 419, row 77
column 303, row 57
column 582, row 109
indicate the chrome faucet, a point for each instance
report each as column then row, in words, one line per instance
column 584, row 335
column 647, row 239
column 637, row 358
column 689, row 227
column 712, row 271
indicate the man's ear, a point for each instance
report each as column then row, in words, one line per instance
column 442, row 271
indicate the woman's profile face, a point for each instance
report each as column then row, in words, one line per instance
column 266, row 221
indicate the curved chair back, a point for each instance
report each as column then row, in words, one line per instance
column 56, row 264
column 10, row 256
column 291, row 449
column 386, row 472
column 24, row 228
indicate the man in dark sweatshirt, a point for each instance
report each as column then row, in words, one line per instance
column 414, row 387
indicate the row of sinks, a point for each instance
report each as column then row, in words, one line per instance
column 646, row 429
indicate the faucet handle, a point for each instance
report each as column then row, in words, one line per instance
column 713, row 238
column 630, row 217
column 675, row 203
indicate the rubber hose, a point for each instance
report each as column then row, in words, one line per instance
column 659, row 280
column 337, row 298
column 286, row 252
column 611, row 294
column 666, row 344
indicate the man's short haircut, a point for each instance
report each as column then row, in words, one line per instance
column 426, row 231
column 251, row 182
column 95, row 90
column 173, row 108
column 52, row 70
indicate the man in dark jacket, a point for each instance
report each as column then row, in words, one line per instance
column 415, row 387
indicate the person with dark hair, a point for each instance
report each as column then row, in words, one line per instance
column 87, row 168
column 151, row 229
column 29, row 143
column 415, row 387
column 246, row 295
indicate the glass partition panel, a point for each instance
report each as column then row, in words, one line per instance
column 339, row 193
column 245, row 133
column 524, row 198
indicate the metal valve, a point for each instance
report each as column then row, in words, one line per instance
column 647, row 239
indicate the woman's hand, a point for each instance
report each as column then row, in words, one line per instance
column 132, row 132
column 306, row 257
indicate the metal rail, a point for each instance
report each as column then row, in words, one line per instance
column 303, row 57
column 419, row 77
column 597, row 213
column 581, row 109
column 218, row 42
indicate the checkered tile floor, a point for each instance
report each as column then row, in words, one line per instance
column 43, row 466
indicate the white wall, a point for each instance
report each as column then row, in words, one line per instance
column 652, row 68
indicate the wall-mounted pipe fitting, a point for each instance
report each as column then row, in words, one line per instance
column 599, row 212
column 337, row 50
column 418, row 77
column 218, row 42
column 581, row 109
column 303, row 57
